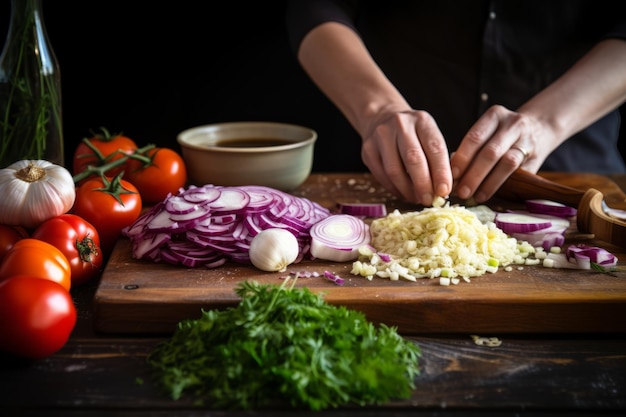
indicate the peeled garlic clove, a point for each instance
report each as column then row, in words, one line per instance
column 273, row 250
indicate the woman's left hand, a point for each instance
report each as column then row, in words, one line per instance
column 500, row 142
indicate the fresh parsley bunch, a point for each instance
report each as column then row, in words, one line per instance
column 285, row 344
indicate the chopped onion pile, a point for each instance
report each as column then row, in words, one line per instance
column 540, row 230
column 210, row 225
column 435, row 242
column 338, row 237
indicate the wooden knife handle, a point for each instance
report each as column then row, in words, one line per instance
column 592, row 218
column 523, row 185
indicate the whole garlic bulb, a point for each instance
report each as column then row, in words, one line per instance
column 34, row 191
column 273, row 250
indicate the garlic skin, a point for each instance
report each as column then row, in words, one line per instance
column 34, row 191
column 274, row 250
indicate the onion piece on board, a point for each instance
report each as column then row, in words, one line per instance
column 594, row 254
column 517, row 222
column 338, row 238
column 363, row 209
column 546, row 237
column 553, row 208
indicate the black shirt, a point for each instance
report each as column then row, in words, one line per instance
column 454, row 59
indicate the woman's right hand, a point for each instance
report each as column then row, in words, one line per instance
column 406, row 152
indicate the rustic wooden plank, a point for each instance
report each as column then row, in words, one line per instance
column 145, row 297
column 568, row 374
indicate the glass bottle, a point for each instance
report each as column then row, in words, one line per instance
column 30, row 89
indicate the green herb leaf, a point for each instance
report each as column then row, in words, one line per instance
column 285, row 344
column 600, row 268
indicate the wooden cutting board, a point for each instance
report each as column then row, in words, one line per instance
column 136, row 296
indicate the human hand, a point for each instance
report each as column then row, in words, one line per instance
column 496, row 145
column 407, row 154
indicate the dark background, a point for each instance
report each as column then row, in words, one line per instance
column 153, row 69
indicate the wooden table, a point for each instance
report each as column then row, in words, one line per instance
column 102, row 374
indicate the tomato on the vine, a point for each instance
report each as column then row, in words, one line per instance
column 78, row 240
column 102, row 148
column 37, row 316
column 9, row 235
column 164, row 173
column 109, row 204
column 36, row 258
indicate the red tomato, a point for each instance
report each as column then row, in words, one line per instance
column 8, row 236
column 110, row 147
column 109, row 205
column 78, row 240
column 36, row 258
column 37, row 316
column 165, row 173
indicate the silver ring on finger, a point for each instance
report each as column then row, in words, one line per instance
column 524, row 152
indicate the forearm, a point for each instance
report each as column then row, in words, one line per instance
column 335, row 58
column 590, row 89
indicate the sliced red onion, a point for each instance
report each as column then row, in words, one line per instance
column 364, row 209
column 553, row 208
column 582, row 256
column 334, row 278
column 197, row 214
column 210, row 225
column 204, row 195
column 178, row 205
column 385, row 257
column 231, row 200
column 546, row 238
column 594, row 254
column 338, row 238
column 261, row 198
column 147, row 246
column 214, row 229
column 516, row 222
column 162, row 222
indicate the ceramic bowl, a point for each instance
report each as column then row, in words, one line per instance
column 277, row 155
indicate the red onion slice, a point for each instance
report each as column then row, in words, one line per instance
column 178, row 205
column 162, row 222
column 146, row 246
column 520, row 223
column 261, row 198
column 595, row 254
column 199, row 213
column 202, row 195
column 553, row 208
column 546, row 238
column 364, row 209
column 334, row 278
column 230, row 200
column 338, row 238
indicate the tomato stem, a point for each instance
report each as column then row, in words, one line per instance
column 104, row 165
column 114, row 187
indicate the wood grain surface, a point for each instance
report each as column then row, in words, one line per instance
column 136, row 296
column 570, row 376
